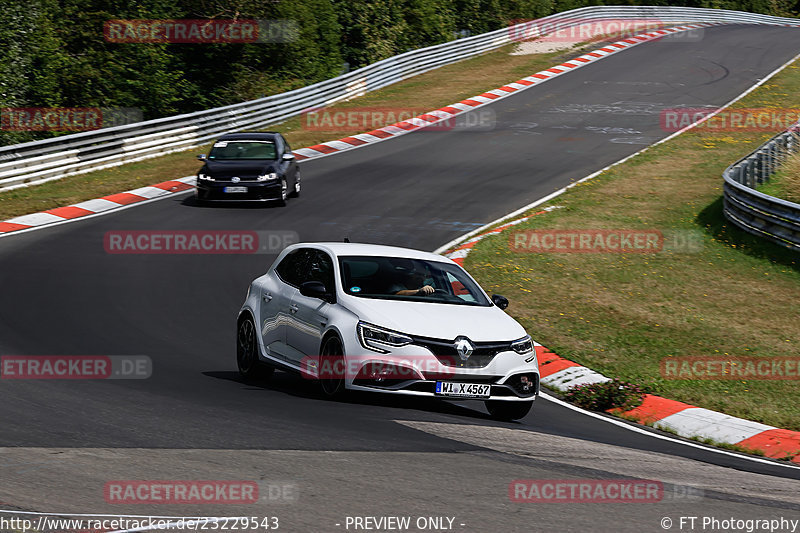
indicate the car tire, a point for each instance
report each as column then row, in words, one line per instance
column 501, row 410
column 332, row 372
column 296, row 192
column 250, row 368
column 284, row 193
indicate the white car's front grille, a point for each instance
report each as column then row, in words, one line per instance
column 447, row 353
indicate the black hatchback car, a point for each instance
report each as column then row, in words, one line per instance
column 249, row 167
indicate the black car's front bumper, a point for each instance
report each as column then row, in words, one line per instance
column 256, row 190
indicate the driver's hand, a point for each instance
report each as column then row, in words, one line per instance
column 427, row 289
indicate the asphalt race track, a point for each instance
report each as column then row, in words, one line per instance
column 62, row 294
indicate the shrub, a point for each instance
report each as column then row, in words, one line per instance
column 607, row 395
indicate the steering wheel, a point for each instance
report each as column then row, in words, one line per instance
column 446, row 295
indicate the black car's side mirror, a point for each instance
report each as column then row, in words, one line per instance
column 500, row 301
column 288, row 156
column 314, row 289
column 201, row 157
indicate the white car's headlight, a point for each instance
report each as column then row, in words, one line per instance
column 378, row 339
column 205, row 177
column 523, row 346
column 268, row 177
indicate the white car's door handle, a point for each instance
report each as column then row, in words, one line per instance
column 293, row 308
column 267, row 296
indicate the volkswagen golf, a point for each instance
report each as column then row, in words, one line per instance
column 248, row 167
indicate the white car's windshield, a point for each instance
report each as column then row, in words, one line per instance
column 400, row 278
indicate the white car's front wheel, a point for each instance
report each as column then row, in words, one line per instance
column 332, row 367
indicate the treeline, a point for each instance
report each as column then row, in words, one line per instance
column 54, row 52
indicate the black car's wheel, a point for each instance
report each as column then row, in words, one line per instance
column 332, row 367
column 247, row 353
column 508, row 410
column 284, row 193
column 296, row 191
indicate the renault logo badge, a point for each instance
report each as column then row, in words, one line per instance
column 464, row 348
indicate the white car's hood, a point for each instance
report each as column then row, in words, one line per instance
column 441, row 321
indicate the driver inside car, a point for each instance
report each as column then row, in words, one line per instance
column 412, row 284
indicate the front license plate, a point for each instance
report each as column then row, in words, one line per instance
column 463, row 390
column 235, row 189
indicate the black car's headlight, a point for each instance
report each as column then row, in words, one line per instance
column 204, row 177
column 523, row 346
column 268, row 177
column 378, row 339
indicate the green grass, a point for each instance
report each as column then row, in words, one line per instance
column 621, row 314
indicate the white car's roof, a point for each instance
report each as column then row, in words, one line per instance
column 352, row 248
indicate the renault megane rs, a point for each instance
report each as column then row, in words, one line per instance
column 394, row 320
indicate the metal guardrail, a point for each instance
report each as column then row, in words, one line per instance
column 39, row 161
column 760, row 214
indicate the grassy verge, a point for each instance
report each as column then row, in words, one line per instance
column 621, row 314
column 786, row 182
column 428, row 91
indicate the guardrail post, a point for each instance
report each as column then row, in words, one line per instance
column 773, row 155
column 736, row 173
column 758, row 175
column 748, row 173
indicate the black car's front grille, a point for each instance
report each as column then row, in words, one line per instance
column 229, row 179
column 447, row 354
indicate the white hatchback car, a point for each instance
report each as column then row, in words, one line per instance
column 381, row 318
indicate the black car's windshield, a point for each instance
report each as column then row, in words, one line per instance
column 400, row 278
column 243, row 149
